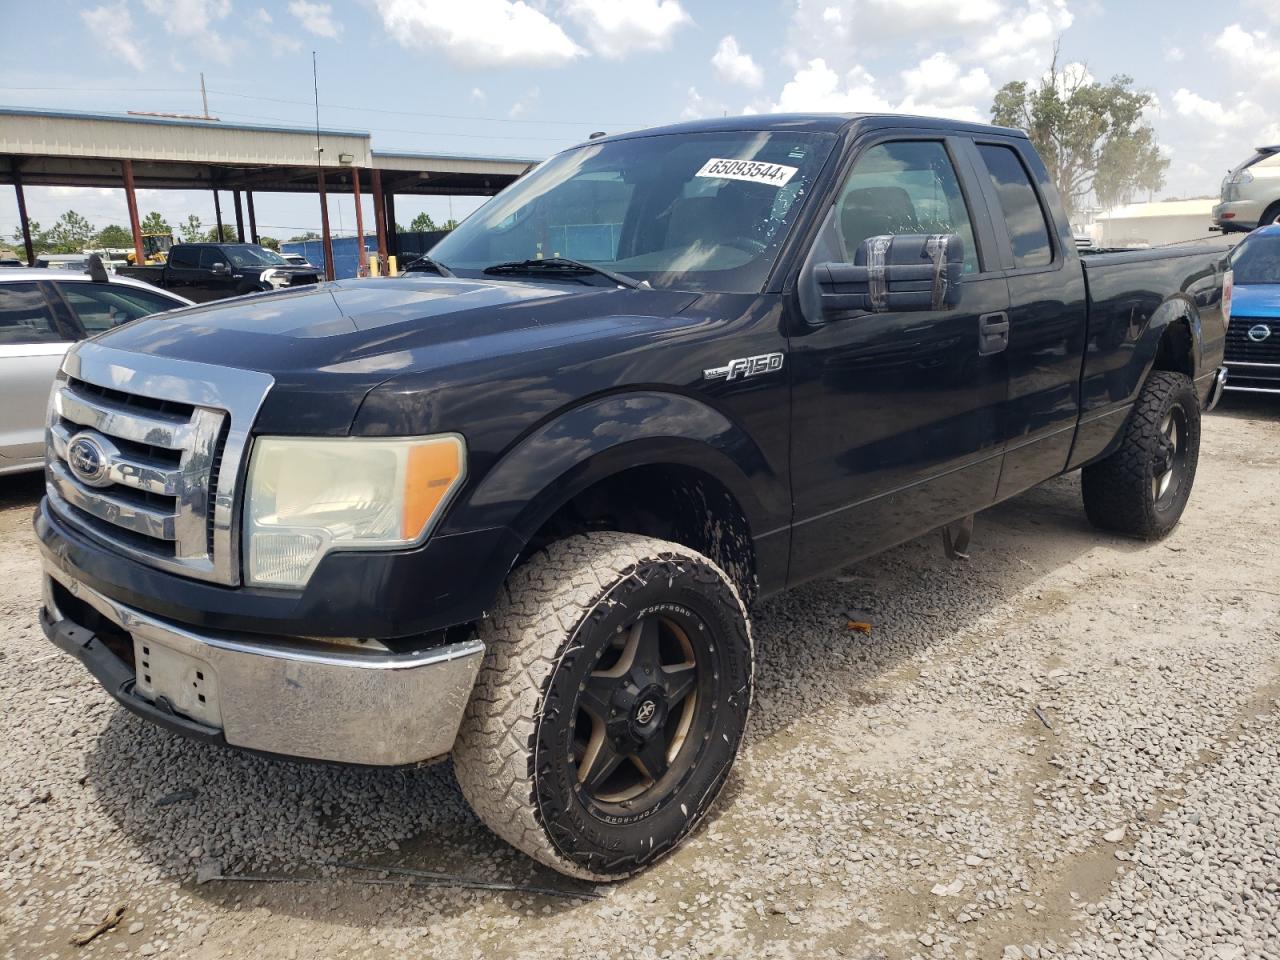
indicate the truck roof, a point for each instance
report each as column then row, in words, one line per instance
column 816, row 123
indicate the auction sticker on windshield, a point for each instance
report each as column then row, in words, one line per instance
column 774, row 174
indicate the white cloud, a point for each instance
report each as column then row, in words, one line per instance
column 616, row 28
column 816, row 88
column 734, row 66
column 263, row 17
column 939, row 78
column 193, row 20
column 527, row 100
column 695, row 106
column 1175, row 55
column 316, row 18
column 113, row 28
column 1242, row 114
column 1026, row 36
column 481, row 33
column 478, row 95
column 1252, row 49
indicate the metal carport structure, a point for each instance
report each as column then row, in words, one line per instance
column 67, row 148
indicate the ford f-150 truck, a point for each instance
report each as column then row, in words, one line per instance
column 213, row 271
column 519, row 511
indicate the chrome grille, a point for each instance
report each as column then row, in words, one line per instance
column 145, row 454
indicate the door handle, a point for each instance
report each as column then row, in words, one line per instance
column 993, row 333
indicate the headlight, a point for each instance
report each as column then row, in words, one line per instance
column 307, row 496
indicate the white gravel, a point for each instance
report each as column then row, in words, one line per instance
column 1067, row 747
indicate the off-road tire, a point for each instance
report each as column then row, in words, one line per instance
column 1117, row 490
column 513, row 757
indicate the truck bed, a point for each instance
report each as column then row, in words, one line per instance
column 1126, row 289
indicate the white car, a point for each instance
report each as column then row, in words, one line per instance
column 1251, row 193
column 298, row 260
column 42, row 313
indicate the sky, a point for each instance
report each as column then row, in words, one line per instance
column 526, row 78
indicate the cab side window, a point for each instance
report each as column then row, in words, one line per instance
column 103, row 306
column 1028, row 229
column 909, row 186
column 186, row 258
column 209, row 256
column 25, row 316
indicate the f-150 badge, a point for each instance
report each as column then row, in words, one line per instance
column 745, row 367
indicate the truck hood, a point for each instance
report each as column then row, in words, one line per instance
column 328, row 345
column 1256, row 300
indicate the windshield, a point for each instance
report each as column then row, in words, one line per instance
column 250, row 255
column 1257, row 260
column 702, row 211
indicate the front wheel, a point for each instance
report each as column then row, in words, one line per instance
column 1141, row 489
column 610, row 705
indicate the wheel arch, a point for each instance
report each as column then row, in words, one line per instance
column 647, row 463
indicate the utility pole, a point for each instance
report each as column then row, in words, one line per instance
column 204, row 97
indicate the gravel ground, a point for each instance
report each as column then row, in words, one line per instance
column 1068, row 746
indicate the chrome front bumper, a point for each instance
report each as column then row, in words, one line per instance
column 315, row 702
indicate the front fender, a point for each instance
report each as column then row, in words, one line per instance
column 564, row 456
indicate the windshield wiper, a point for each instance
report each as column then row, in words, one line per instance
column 426, row 261
column 564, row 267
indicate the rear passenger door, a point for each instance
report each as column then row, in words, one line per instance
column 1047, row 311
column 896, row 417
column 182, row 272
column 33, row 340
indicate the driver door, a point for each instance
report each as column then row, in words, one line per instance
column 896, row 417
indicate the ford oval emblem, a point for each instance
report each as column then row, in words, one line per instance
column 1259, row 332
column 88, row 460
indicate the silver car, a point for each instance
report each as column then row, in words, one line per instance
column 42, row 313
column 1251, row 193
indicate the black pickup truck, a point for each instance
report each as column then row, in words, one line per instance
column 519, row 512
column 214, row 271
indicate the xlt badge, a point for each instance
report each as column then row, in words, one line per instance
column 745, row 367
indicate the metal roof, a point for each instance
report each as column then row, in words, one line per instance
column 74, row 148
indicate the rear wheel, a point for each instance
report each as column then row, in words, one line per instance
column 611, row 703
column 1142, row 488
column 1270, row 215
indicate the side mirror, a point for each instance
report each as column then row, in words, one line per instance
column 221, row 270
column 907, row 272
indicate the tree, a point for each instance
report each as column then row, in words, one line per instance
column 114, row 235
column 70, row 233
column 309, row 235
column 154, row 223
column 39, row 237
column 422, row 223
column 192, row 229
column 229, row 235
column 1092, row 136
column 271, row 243
column 449, row 224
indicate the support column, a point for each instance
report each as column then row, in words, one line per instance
column 22, row 216
column 253, row 221
column 217, row 213
column 393, row 233
column 235, row 195
column 362, row 267
column 324, row 226
column 380, row 220
column 131, row 199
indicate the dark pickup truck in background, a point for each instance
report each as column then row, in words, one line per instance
column 518, row 512
column 213, row 271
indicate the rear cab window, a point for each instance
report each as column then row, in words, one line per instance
column 1020, row 206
